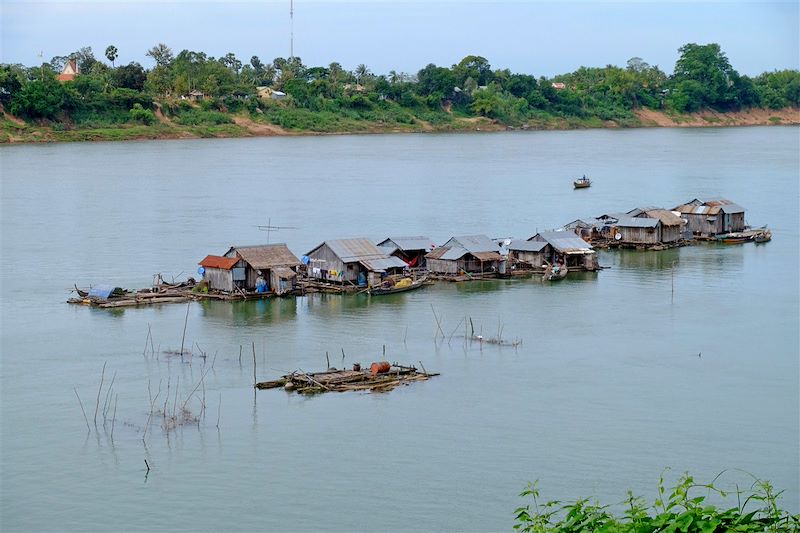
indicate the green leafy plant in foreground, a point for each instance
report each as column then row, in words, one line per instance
column 680, row 508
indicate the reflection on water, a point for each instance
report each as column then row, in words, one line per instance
column 249, row 312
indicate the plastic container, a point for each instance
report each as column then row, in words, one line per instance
column 381, row 367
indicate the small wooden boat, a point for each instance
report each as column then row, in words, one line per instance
column 765, row 236
column 582, row 183
column 555, row 273
column 401, row 285
column 738, row 237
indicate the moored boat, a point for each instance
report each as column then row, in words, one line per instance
column 402, row 285
column 555, row 272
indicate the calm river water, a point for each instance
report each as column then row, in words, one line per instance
column 605, row 392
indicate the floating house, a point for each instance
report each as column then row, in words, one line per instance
column 527, row 255
column 626, row 229
column 224, row 274
column 471, row 254
column 411, row 250
column 706, row 218
column 671, row 228
column 353, row 261
column 240, row 268
column 567, row 249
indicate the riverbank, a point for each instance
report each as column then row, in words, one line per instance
column 16, row 131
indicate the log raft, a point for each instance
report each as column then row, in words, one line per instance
column 334, row 380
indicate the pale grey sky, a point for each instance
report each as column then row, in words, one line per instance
column 540, row 38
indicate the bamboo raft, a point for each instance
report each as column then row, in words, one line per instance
column 134, row 299
column 334, row 380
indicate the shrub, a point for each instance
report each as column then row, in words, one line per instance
column 142, row 115
column 682, row 509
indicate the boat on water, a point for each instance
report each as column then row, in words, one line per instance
column 401, row 285
column 582, row 183
column 739, row 237
column 555, row 273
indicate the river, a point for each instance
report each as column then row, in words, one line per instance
column 684, row 359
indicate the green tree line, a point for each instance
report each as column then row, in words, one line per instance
column 102, row 94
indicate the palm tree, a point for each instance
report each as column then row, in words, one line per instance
column 394, row 77
column 361, row 72
column 111, row 54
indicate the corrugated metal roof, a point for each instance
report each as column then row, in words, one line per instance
column 709, row 207
column 216, row 261
column 476, row 243
column 527, row 246
column 351, row 250
column 381, row 264
column 458, row 247
column 636, row 222
column 639, row 210
column 564, row 241
column 407, row 243
column 266, row 256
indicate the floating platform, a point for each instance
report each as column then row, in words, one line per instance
column 380, row 377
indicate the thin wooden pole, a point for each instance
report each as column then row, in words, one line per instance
column 99, row 390
column 254, row 363
column 82, row 410
column 185, row 321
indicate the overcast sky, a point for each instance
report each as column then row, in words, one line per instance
column 540, row 38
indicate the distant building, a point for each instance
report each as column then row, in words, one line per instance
column 196, row 95
column 240, row 268
column 268, row 93
column 471, row 254
column 707, row 218
column 351, row 261
column 671, row 228
column 412, row 250
column 567, row 249
column 558, row 85
column 70, row 71
column 528, row 255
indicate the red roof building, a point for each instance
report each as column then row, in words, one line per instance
column 70, row 71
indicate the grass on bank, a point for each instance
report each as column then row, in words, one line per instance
column 684, row 507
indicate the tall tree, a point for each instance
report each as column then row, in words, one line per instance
column 161, row 54
column 709, row 67
column 85, row 58
column 111, row 53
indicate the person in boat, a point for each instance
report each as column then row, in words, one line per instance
column 261, row 283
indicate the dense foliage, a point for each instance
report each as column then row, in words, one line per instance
column 330, row 98
column 683, row 508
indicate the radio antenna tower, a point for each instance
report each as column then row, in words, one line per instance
column 291, row 29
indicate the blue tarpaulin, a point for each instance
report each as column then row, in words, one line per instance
column 101, row 291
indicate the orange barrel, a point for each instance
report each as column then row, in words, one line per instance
column 381, row 367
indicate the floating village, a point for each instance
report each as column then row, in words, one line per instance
column 401, row 264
